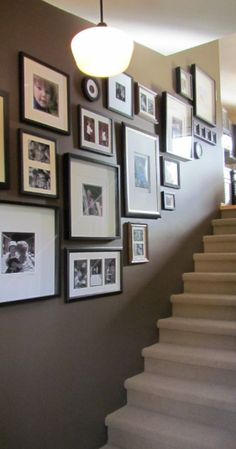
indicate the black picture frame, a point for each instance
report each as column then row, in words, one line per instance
column 50, row 109
column 204, row 95
column 168, row 200
column 184, row 83
column 92, row 199
column 146, row 103
column 91, row 88
column 92, row 272
column 4, row 140
column 29, row 236
column 38, row 164
column 95, row 131
column 120, row 94
column 170, row 172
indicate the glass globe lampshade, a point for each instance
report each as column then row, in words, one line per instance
column 102, row 51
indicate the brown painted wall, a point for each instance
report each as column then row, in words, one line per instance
column 62, row 366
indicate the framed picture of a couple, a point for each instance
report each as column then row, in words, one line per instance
column 44, row 95
column 29, row 237
column 93, row 192
column 95, row 132
column 92, row 272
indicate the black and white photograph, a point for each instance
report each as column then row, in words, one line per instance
column 38, row 165
column 137, row 243
column 95, row 132
column 92, row 200
column 145, row 105
column 92, row 272
column 120, row 94
column 89, row 129
column 103, row 132
column 18, row 252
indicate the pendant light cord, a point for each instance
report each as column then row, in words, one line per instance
column 101, row 23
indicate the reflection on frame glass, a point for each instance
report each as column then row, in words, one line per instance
column 29, row 237
column 177, row 127
column 4, row 140
column 38, row 164
column 92, row 272
column 120, row 95
column 142, row 179
column 146, row 103
column 93, row 198
column 95, row 132
column 170, row 171
column 184, row 85
column 137, row 243
column 168, row 201
column 204, row 95
column 44, row 95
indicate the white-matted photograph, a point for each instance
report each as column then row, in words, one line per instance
column 95, row 132
column 120, row 94
column 137, row 243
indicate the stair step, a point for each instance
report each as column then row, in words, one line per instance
column 198, row 332
column 135, row 428
column 205, row 306
column 201, row 364
column 215, row 262
column 219, row 243
column 224, row 226
column 224, row 283
column 197, row 401
column 228, row 211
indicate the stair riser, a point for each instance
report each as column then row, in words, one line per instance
column 203, row 340
column 220, row 287
column 219, row 230
column 198, row 373
column 219, row 247
column 199, row 413
column 212, row 266
column 205, row 312
column 228, row 214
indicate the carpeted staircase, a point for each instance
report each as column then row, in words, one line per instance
column 186, row 396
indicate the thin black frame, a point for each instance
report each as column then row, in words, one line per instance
column 109, row 96
column 183, row 154
column 145, row 115
column 56, row 239
column 179, row 83
column 81, row 132
column 164, row 182
column 5, row 128
column 129, row 211
column 164, row 194
column 195, row 70
column 22, row 132
column 131, row 256
column 34, row 121
column 85, row 88
column 96, row 251
column 69, row 213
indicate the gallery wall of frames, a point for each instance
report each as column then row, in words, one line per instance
column 95, row 194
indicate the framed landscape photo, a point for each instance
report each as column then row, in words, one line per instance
column 184, row 84
column 146, row 103
column 4, row 140
column 44, row 95
column 38, row 156
column 29, row 252
column 137, row 243
column 141, row 177
column 92, row 272
column 177, row 127
column 204, row 95
column 168, row 200
column 93, row 198
column 95, row 132
column 170, row 171
column 120, row 94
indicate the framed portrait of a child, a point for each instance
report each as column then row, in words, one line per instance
column 44, row 94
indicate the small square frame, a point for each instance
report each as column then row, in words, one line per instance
column 184, row 83
column 170, row 171
column 137, row 243
column 120, row 94
column 168, row 200
column 204, row 95
column 146, row 103
column 92, row 272
column 95, row 132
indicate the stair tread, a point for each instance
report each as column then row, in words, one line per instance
column 220, row 237
column 216, row 358
column 185, row 390
column 210, row 277
column 208, row 326
column 204, row 298
column 214, row 256
column 158, row 426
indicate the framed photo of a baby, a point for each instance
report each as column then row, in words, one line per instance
column 44, row 94
column 95, row 132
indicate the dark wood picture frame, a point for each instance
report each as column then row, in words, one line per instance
column 204, row 95
column 120, row 94
column 95, row 131
column 91, row 88
column 146, row 103
column 184, row 83
column 170, row 172
column 4, row 140
column 168, row 200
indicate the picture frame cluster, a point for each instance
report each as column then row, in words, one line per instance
column 30, row 233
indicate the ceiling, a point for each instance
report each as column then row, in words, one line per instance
column 170, row 26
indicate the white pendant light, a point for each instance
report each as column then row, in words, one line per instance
column 102, row 51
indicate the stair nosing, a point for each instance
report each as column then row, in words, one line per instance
column 198, row 325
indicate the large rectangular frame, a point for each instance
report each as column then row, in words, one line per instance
column 4, row 140
column 92, row 272
column 37, row 275
column 204, row 95
column 55, row 115
column 177, row 128
column 141, row 178
column 93, row 191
